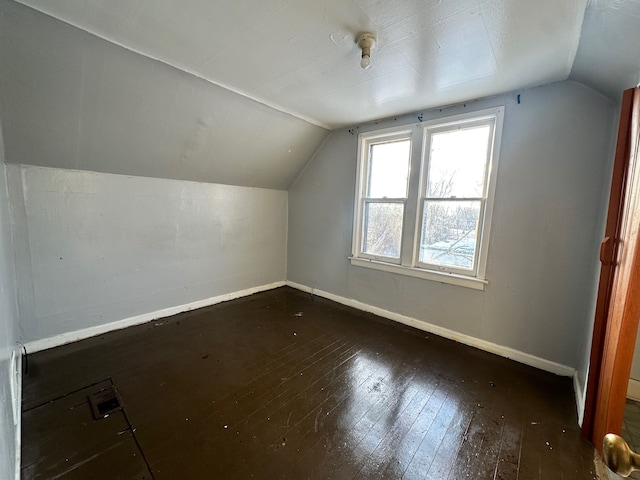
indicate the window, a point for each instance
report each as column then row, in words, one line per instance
column 424, row 198
column 385, row 198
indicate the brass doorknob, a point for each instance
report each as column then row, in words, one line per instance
column 618, row 456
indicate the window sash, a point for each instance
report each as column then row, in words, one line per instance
column 448, row 268
column 436, row 127
column 427, row 161
column 364, row 171
column 369, row 167
column 364, row 228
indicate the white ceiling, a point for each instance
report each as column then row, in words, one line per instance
column 300, row 57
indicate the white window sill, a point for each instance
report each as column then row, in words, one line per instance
column 442, row 277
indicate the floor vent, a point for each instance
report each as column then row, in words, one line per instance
column 105, row 402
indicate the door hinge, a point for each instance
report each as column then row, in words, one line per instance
column 606, row 251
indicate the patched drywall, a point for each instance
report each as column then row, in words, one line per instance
column 543, row 255
column 97, row 248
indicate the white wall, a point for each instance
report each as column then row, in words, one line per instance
column 9, row 425
column 96, row 248
column 542, row 264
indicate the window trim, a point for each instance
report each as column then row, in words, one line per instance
column 409, row 264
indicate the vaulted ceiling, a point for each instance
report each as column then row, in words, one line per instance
column 243, row 92
column 301, row 56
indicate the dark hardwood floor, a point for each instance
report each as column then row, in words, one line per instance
column 285, row 385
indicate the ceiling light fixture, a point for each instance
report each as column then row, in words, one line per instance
column 366, row 41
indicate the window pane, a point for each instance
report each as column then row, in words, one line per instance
column 457, row 163
column 449, row 233
column 388, row 169
column 382, row 229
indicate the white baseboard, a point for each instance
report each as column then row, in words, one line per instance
column 490, row 347
column 56, row 341
column 633, row 390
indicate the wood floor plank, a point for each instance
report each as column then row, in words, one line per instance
column 386, row 451
column 510, row 444
column 73, row 445
column 447, row 454
column 426, row 452
column 248, row 400
column 326, row 435
column 342, row 445
column 285, row 385
column 254, row 424
column 407, row 447
column 366, row 464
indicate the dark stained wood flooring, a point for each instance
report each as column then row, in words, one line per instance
column 286, row 385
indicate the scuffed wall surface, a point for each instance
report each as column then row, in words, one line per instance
column 96, row 248
column 543, row 254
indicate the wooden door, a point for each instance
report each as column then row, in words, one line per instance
column 618, row 305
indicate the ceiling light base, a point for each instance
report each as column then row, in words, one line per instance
column 366, row 41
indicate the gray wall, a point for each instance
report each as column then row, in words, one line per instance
column 8, row 332
column 547, row 225
column 94, row 248
column 584, row 356
column 71, row 100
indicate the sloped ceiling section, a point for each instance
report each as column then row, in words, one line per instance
column 608, row 57
column 69, row 99
column 301, row 56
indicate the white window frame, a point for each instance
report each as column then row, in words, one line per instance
column 420, row 135
column 379, row 137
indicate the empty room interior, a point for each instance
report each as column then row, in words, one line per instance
column 343, row 239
